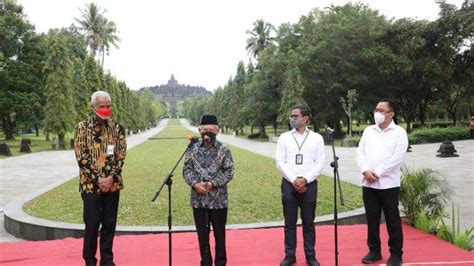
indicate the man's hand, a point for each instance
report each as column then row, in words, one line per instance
column 105, row 184
column 300, row 185
column 370, row 176
column 209, row 186
column 202, row 188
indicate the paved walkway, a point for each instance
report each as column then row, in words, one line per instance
column 457, row 170
column 22, row 175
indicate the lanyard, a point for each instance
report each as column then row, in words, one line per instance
column 300, row 146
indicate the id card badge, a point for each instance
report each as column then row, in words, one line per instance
column 110, row 149
column 299, row 159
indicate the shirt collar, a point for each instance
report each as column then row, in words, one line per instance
column 390, row 126
column 202, row 143
column 293, row 131
column 97, row 121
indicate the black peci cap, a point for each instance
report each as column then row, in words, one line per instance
column 208, row 120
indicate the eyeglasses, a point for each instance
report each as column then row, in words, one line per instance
column 295, row 116
column 382, row 111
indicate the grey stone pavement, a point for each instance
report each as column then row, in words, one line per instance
column 35, row 173
column 457, row 170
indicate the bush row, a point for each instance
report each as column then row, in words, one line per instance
column 426, row 135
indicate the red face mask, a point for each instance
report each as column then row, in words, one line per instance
column 104, row 112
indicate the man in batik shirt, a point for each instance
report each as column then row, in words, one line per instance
column 208, row 167
column 100, row 148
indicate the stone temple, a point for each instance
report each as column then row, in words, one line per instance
column 173, row 92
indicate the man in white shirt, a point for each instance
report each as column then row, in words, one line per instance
column 380, row 153
column 300, row 159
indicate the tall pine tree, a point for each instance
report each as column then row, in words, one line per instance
column 81, row 91
column 59, row 108
column 292, row 90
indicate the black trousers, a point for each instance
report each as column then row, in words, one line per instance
column 218, row 219
column 99, row 209
column 307, row 203
column 376, row 200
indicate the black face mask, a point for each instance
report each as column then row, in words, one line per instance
column 211, row 137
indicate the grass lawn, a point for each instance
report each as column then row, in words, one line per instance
column 37, row 143
column 254, row 193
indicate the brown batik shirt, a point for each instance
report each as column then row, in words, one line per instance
column 213, row 164
column 100, row 148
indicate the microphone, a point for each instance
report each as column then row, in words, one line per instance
column 192, row 139
column 206, row 138
column 330, row 130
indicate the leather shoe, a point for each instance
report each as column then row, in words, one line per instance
column 371, row 257
column 312, row 262
column 288, row 261
column 394, row 260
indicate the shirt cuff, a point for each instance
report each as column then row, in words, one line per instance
column 378, row 172
column 364, row 169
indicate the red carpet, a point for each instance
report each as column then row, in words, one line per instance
column 244, row 247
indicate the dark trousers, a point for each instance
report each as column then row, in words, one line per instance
column 386, row 200
column 99, row 209
column 218, row 219
column 307, row 203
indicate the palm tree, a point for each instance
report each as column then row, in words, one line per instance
column 91, row 24
column 108, row 37
column 259, row 37
column 100, row 33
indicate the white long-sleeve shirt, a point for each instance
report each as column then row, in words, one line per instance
column 382, row 151
column 312, row 151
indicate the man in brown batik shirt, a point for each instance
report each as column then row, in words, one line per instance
column 100, row 148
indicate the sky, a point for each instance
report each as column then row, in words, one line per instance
column 200, row 42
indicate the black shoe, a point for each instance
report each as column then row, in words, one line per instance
column 288, row 261
column 371, row 257
column 312, row 261
column 394, row 260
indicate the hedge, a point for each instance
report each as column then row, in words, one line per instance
column 426, row 135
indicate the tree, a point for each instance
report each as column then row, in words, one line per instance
column 450, row 40
column 81, row 91
column 236, row 99
column 266, row 87
column 337, row 47
column 21, row 61
column 91, row 24
column 108, row 36
column 347, row 104
column 260, row 37
column 293, row 89
column 59, row 109
column 412, row 72
column 91, row 72
column 100, row 33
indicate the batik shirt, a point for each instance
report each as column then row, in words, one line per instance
column 100, row 148
column 209, row 163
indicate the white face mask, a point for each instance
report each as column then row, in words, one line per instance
column 379, row 118
column 295, row 122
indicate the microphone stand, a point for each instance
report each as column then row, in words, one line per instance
column 169, row 182
column 337, row 183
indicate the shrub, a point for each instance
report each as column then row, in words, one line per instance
column 423, row 191
column 351, row 141
column 453, row 234
column 438, row 135
column 426, row 135
column 254, row 136
column 442, row 124
column 426, row 224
